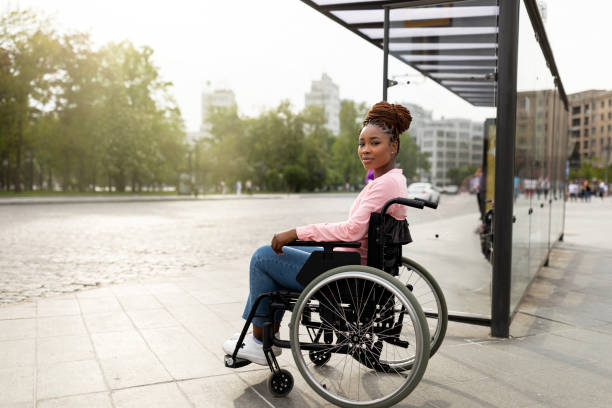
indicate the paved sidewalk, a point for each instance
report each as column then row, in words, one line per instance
column 158, row 344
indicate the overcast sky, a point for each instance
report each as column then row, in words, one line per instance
column 269, row 50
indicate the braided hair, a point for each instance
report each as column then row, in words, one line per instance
column 393, row 119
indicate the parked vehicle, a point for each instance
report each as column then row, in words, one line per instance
column 426, row 191
column 452, row 189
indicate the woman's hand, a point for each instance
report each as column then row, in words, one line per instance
column 281, row 239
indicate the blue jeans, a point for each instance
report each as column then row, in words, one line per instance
column 270, row 272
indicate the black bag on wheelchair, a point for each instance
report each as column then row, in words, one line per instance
column 386, row 235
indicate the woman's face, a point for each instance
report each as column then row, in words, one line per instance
column 376, row 150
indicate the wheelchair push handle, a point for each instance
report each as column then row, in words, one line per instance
column 403, row 201
column 428, row 203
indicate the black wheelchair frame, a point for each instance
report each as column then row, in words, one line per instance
column 386, row 235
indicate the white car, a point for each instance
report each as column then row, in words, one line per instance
column 425, row 191
column 449, row 189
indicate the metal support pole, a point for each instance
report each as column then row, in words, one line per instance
column 504, row 167
column 385, row 53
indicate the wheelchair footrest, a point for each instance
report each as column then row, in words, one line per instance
column 235, row 362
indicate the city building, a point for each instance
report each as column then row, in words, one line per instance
column 326, row 93
column 590, row 123
column 450, row 143
column 214, row 98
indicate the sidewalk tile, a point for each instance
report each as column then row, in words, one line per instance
column 488, row 392
column 549, row 350
column 490, row 361
column 18, row 311
column 100, row 400
column 152, row 319
column 100, row 305
column 301, row 395
column 572, row 387
column 181, row 354
column 62, row 349
column 445, row 369
column 163, row 288
column 221, row 391
column 118, row 344
column 139, row 302
column 17, row 353
column 16, row 385
column 153, row 396
column 129, row 290
column 71, row 378
column 108, row 322
column 95, row 293
column 61, row 326
column 133, row 370
column 17, row 329
column 58, row 307
column 177, row 300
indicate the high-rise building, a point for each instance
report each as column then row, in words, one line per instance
column 590, row 123
column 326, row 93
column 450, row 143
column 214, row 98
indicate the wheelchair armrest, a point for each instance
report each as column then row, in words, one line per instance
column 327, row 245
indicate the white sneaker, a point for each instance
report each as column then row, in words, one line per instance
column 275, row 349
column 250, row 350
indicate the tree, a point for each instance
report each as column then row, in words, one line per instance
column 409, row 158
column 346, row 167
column 28, row 51
column 458, row 174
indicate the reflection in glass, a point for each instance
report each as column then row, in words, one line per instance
column 539, row 179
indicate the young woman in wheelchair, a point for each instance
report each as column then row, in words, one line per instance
column 274, row 267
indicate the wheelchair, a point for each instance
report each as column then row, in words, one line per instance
column 357, row 334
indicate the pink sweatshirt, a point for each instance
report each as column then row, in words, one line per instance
column 371, row 199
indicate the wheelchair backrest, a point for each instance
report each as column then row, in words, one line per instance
column 386, row 235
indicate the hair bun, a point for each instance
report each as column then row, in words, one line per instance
column 403, row 117
column 394, row 116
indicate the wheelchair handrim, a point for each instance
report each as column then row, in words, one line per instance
column 386, row 284
column 438, row 335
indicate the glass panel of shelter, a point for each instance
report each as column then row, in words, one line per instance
column 539, row 158
column 447, row 241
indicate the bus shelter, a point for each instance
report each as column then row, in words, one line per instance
column 492, row 54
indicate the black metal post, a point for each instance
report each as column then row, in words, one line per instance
column 385, row 53
column 504, row 166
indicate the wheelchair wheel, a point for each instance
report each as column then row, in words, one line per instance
column 370, row 325
column 430, row 297
column 280, row 383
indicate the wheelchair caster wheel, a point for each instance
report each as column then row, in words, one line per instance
column 319, row 358
column 280, row 383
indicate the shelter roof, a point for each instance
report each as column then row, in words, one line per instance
column 452, row 42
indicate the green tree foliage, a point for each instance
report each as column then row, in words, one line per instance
column 283, row 151
column 278, row 150
column 83, row 118
column 410, row 158
column 458, row 174
column 590, row 169
column 345, row 166
column 79, row 117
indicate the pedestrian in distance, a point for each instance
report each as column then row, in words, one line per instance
column 573, row 191
column 238, row 187
column 276, row 266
